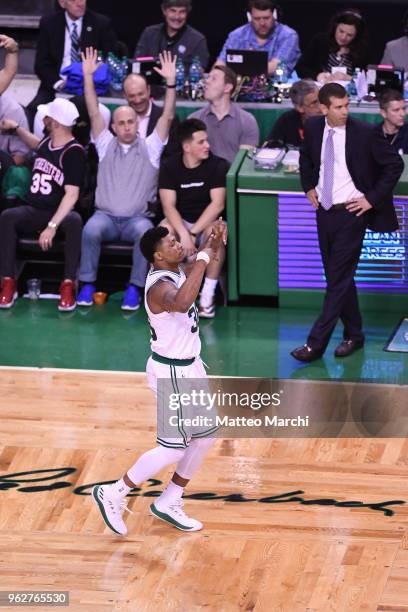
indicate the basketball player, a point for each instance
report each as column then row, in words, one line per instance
column 175, row 343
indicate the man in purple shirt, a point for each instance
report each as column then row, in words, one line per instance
column 264, row 33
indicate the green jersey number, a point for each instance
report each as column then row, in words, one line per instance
column 154, row 335
column 193, row 313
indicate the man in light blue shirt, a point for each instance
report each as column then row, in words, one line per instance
column 264, row 33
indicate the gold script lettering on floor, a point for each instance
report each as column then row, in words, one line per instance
column 64, row 430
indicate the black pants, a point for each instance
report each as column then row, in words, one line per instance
column 26, row 219
column 341, row 235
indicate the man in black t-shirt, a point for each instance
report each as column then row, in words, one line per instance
column 393, row 108
column 192, row 192
column 58, row 171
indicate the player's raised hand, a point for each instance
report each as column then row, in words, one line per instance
column 217, row 237
column 168, row 67
column 90, row 62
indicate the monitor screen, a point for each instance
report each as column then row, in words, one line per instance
column 247, row 62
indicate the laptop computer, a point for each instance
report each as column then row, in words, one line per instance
column 382, row 77
column 247, row 62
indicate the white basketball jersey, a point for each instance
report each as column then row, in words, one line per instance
column 175, row 335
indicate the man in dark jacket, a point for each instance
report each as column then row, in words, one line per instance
column 62, row 36
column 290, row 126
column 174, row 35
column 348, row 173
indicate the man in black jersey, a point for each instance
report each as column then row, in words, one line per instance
column 57, row 174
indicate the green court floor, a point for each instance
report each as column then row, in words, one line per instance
column 240, row 341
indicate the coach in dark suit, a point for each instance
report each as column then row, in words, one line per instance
column 348, row 173
column 62, row 36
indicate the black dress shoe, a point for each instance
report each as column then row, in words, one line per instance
column 306, row 353
column 347, row 347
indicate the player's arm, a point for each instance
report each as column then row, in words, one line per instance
column 66, row 205
column 9, row 70
column 165, row 297
column 212, row 211
column 90, row 65
column 9, row 126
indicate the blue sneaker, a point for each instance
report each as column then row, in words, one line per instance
column 85, row 295
column 131, row 301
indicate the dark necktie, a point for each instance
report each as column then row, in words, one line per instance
column 75, row 55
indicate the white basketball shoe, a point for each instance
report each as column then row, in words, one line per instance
column 111, row 508
column 174, row 515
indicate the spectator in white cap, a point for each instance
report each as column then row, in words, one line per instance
column 57, row 174
column 40, row 130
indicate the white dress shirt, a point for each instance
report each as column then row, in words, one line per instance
column 344, row 189
column 66, row 59
column 144, row 122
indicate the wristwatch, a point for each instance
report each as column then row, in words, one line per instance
column 52, row 225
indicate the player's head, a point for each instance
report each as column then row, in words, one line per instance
column 125, row 124
column 193, row 139
column 161, row 248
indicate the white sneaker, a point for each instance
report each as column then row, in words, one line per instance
column 111, row 508
column 206, row 312
column 174, row 515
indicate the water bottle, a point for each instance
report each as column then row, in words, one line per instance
column 281, row 72
column 124, row 68
column 195, row 71
column 109, row 60
column 180, row 75
column 114, row 72
column 117, row 75
column 195, row 74
column 352, row 87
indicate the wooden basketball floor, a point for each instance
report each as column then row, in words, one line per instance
column 62, row 431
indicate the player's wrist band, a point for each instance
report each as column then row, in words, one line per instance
column 202, row 256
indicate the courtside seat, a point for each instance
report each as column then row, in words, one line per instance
column 113, row 272
column 27, row 244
